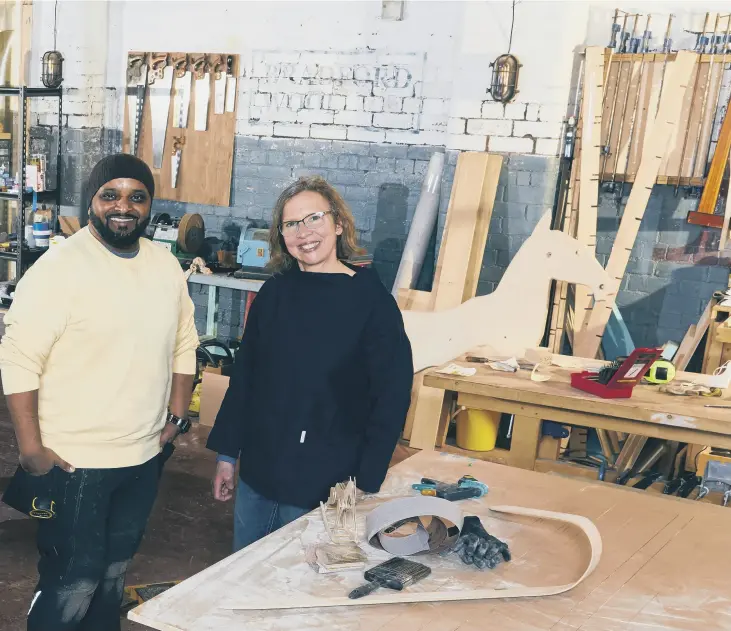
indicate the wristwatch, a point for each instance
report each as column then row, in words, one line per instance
column 183, row 424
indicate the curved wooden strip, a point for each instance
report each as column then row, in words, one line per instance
column 582, row 523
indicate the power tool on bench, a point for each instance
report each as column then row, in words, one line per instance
column 466, row 487
column 183, row 236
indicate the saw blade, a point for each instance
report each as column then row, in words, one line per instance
column 230, row 94
column 219, row 93
column 178, row 143
column 230, row 85
column 181, row 102
column 161, row 84
column 136, row 82
column 174, row 168
column 202, row 96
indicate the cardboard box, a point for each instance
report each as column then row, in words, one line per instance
column 213, row 389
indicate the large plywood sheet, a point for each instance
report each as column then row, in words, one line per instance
column 643, row 581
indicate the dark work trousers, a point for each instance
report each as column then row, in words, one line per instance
column 85, row 549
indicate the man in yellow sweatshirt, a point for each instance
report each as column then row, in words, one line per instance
column 98, row 361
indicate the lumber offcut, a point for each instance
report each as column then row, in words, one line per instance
column 676, row 84
column 709, row 197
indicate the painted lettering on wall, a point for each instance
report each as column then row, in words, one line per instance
column 362, row 89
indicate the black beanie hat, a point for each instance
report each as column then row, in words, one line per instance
column 118, row 165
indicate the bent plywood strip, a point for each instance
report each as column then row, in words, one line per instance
column 582, row 523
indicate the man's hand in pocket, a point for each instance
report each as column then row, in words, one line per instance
column 42, row 461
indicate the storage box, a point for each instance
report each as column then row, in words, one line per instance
column 213, row 389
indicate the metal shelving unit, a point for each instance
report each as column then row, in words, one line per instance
column 24, row 256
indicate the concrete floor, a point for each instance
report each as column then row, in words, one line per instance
column 188, row 530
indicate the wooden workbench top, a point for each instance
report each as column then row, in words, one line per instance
column 665, row 565
column 647, row 403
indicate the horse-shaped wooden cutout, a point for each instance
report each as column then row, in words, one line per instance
column 513, row 317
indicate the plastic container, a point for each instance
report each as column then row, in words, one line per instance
column 477, row 430
column 41, row 232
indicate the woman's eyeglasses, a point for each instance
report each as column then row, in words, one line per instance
column 311, row 222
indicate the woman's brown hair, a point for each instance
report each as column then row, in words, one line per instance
column 279, row 258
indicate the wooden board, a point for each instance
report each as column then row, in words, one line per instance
column 677, row 82
column 718, row 167
column 643, row 581
column 591, row 115
column 207, row 156
column 693, row 338
column 628, row 140
column 657, row 414
column 559, row 321
column 465, row 231
column 726, row 218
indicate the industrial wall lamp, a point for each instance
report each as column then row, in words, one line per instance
column 52, row 63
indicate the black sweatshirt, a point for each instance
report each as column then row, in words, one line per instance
column 320, row 387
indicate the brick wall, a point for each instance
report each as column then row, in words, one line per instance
column 364, row 102
column 673, row 269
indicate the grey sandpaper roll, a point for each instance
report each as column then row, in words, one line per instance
column 414, row 525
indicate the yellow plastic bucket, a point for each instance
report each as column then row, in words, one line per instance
column 477, row 430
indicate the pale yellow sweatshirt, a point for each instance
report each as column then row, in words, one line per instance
column 99, row 336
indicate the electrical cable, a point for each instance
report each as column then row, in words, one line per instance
column 512, row 24
column 55, row 23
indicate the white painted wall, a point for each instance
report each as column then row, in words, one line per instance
column 446, row 103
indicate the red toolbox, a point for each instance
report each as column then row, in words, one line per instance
column 626, row 376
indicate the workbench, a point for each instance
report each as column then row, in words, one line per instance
column 649, row 413
column 214, row 281
column 643, row 580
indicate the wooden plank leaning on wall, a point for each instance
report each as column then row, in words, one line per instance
column 591, row 114
column 458, row 269
column 671, row 100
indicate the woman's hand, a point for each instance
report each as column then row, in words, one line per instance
column 223, row 483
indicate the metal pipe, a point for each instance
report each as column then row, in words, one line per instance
column 718, row 92
column 606, row 148
column 690, row 114
column 645, row 47
column 694, row 157
column 624, row 111
column 422, row 225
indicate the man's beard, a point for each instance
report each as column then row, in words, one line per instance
column 118, row 239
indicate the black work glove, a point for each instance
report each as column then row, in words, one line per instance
column 475, row 546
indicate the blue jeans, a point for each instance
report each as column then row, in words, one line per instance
column 101, row 515
column 255, row 516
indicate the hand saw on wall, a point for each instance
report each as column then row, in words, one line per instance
column 201, row 69
column 136, row 82
column 160, row 80
column 181, row 100
column 219, row 86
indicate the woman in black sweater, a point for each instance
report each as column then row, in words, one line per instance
column 322, row 381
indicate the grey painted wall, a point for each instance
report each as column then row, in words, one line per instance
column 673, row 270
